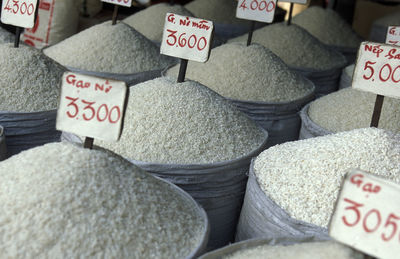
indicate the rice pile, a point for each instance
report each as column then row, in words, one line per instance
column 390, row 19
column 327, row 26
column 109, row 48
column 304, row 177
column 315, row 250
column 218, row 11
column 29, row 81
column 6, row 36
column 63, row 201
column 296, row 47
column 349, row 109
column 250, row 73
column 150, row 21
column 183, row 123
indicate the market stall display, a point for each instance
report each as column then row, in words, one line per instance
column 61, row 200
column 258, row 83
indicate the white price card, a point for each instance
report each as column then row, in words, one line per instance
column 393, row 35
column 19, row 13
column 256, row 10
column 294, row 1
column 187, row 37
column 91, row 106
column 127, row 3
column 367, row 215
column 378, row 69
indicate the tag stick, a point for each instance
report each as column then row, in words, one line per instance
column 182, row 70
column 115, row 15
column 88, row 143
column 17, row 36
column 289, row 21
column 377, row 111
column 252, row 24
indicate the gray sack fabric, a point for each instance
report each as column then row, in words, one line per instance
column 262, row 217
column 309, row 129
column 27, row 130
column 3, row 147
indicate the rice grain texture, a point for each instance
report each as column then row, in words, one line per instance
column 150, row 21
column 327, row 26
column 6, row 36
column 304, row 177
column 109, row 48
column 218, row 11
column 250, row 73
column 29, row 80
column 350, row 108
column 62, row 201
column 183, row 123
column 315, row 250
column 296, row 47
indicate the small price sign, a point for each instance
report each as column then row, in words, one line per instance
column 294, row 1
column 256, row 10
column 393, row 35
column 91, row 106
column 127, row 3
column 186, row 37
column 19, row 13
column 367, row 215
column 378, row 69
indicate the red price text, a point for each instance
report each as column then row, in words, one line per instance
column 71, row 80
column 88, row 110
column 182, row 40
column 19, row 7
column 260, row 5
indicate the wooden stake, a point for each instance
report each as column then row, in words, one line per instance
column 252, row 25
column 115, row 15
column 289, row 21
column 182, row 70
column 17, row 36
column 88, row 143
column 377, row 111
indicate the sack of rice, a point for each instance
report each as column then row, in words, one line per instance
column 331, row 29
column 113, row 49
column 89, row 8
column 345, row 110
column 150, row 21
column 29, row 90
column 346, row 78
column 293, row 187
column 302, row 52
column 264, row 248
column 3, row 147
column 379, row 27
column 6, row 36
column 63, row 201
column 56, row 20
column 258, row 83
column 193, row 137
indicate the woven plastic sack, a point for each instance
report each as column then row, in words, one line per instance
column 349, row 53
column 262, row 217
column 345, row 79
column 309, row 129
column 56, row 20
column 27, row 130
column 378, row 33
column 89, row 8
column 280, row 120
column 218, row 187
column 3, row 147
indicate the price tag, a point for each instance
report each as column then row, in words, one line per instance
column 393, row 35
column 127, row 3
column 256, row 10
column 367, row 215
column 294, row 1
column 91, row 106
column 186, row 37
column 378, row 69
column 20, row 13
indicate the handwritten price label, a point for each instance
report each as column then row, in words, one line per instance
column 186, row 37
column 294, row 1
column 19, row 13
column 91, row 106
column 367, row 215
column 127, row 3
column 256, row 10
column 378, row 69
column 393, row 35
